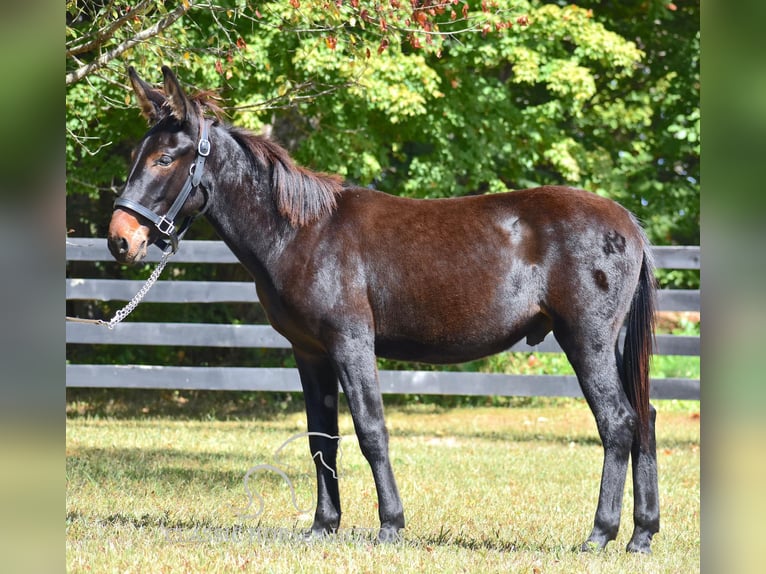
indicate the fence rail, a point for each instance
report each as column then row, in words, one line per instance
column 264, row 336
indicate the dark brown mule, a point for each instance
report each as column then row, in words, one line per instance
column 346, row 273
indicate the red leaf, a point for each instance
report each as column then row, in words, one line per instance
column 295, row 4
column 331, row 42
column 383, row 45
column 522, row 21
column 218, row 67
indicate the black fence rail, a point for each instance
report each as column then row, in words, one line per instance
column 264, row 336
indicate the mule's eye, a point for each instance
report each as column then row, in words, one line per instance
column 164, row 160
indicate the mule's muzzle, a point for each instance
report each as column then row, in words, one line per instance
column 128, row 239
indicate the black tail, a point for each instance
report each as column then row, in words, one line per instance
column 639, row 340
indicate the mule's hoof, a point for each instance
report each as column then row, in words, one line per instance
column 639, row 547
column 389, row 535
column 316, row 535
column 592, row 546
column 641, row 541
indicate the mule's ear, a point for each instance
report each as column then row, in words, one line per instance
column 150, row 100
column 177, row 102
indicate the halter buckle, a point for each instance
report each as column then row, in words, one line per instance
column 165, row 226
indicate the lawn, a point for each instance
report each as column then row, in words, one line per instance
column 484, row 490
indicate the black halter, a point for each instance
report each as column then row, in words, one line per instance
column 165, row 224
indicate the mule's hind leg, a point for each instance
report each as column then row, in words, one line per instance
column 320, row 392
column 646, row 498
column 594, row 362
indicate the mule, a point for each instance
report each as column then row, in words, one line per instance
column 347, row 273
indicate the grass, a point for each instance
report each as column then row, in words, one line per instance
column 484, row 489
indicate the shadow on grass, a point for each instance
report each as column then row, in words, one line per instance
column 121, row 404
column 178, row 470
column 244, row 405
column 207, row 531
column 480, row 542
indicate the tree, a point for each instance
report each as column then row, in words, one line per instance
column 425, row 98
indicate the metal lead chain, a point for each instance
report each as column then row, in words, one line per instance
column 133, row 303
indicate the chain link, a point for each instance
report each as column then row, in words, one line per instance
column 133, row 303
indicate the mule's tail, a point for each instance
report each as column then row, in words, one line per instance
column 639, row 340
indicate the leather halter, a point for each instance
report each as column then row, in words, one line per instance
column 165, row 224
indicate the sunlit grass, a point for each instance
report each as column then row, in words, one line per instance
column 484, row 489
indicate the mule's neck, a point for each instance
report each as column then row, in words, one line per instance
column 241, row 208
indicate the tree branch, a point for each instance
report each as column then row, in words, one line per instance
column 106, row 33
column 104, row 59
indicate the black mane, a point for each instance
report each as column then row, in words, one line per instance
column 302, row 195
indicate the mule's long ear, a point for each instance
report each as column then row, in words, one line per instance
column 149, row 99
column 177, row 102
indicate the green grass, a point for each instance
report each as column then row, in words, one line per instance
column 484, row 489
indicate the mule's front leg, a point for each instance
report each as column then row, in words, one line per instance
column 320, row 392
column 357, row 370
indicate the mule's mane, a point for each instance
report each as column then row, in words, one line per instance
column 207, row 100
column 302, row 196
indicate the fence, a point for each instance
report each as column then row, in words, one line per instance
column 263, row 336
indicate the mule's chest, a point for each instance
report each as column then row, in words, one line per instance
column 289, row 319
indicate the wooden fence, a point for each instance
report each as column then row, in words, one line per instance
column 263, row 336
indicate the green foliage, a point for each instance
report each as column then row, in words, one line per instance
column 426, row 99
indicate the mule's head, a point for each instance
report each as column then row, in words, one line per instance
column 161, row 165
